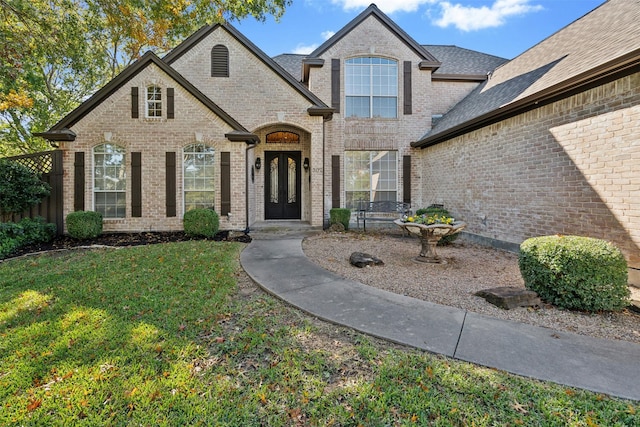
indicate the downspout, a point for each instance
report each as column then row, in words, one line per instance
column 251, row 146
column 324, row 166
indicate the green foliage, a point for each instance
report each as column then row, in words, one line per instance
column 26, row 232
column 438, row 211
column 20, row 188
column 55, row 53
column 84, row 224
column 340, row 216
column 575, row 272
column 201, row 222
column 163, row 336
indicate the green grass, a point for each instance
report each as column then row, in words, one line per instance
column 173, row 335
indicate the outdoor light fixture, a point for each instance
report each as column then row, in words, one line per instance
column 305, row 164
column 258, row 163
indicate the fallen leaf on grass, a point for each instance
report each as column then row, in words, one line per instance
column 518, row 407
column 34, row 404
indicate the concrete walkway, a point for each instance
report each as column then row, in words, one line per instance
column 278, row 264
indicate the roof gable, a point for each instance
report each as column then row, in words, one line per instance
column 428, row 60
column 125, row 76
column 201, row 34
column 596, row 48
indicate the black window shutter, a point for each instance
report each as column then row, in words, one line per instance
column 406, row 179
column 136, row 184
column 170, row 184
column 407, row 88
column 134, row 103
column 335, row 85
column 225, row 182
column 78, row 182
column 335, row 181
column 219, row 61
column 170, row 95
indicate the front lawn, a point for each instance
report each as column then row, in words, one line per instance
column 174, row 334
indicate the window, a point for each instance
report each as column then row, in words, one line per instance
column 219, row 61
column 370, row 176
column 154, row 101
column 371, row 88
column 199, row 181
column 109, row 181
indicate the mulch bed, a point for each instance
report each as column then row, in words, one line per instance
column 126, row 239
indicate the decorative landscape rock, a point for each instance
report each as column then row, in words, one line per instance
column 360, row 259
column 510, row 297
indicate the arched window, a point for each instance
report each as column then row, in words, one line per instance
column 154, row 101
column 198, row 177
column 109, row 181
column 283, row 137
column 371, row 87
column 219, row 61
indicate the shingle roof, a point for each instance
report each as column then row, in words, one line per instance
column 460, row 61
column 292, row 63
column 600, row 43
column 455, row 61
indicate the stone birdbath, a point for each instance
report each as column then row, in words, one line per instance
column 430, row 235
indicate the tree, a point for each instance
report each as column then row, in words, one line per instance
column 20, row 188
column 55, row 53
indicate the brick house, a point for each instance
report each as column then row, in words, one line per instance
column 546, row 143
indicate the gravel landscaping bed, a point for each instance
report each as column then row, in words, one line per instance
column 469, row 268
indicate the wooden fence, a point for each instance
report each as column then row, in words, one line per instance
column 49, row 165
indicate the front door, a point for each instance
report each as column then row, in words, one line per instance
column 282, row 185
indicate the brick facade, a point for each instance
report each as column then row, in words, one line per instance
column 370, row 39
column 570, row 167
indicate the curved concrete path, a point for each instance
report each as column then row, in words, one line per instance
column 278, row 264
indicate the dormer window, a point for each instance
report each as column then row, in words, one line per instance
column 219, row 61
column 154, row 102
column 371, row 87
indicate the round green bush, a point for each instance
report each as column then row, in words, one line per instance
column 84, row 224
column 575, row 272
column 340, row 216
column 201, row 222
column 440, row 211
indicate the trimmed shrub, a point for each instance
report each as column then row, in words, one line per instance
column 28, row 231
column 440, row 211
column 84, row 224
column 37, row 230
column 340, row 216
column 10, row 238
column 574, row 272
column 201, row 222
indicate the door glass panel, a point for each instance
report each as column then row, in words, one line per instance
column 292, row 181
column 274, row 180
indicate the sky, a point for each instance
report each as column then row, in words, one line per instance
column 504, row 28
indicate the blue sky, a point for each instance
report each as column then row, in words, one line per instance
column 504, row 28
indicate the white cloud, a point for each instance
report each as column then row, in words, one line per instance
column 326, row 35
column 387, row 6
column 303, row 49
column 469, row 18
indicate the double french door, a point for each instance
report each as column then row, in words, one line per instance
column 282, row 184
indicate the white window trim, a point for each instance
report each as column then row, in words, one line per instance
column 147, row 101
column 215, row 168
column 371, row 96
column 93, row 181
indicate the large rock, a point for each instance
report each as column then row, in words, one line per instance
column 510, row 297
column 360, row 259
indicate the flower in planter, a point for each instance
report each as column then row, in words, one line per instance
column 430, row 219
